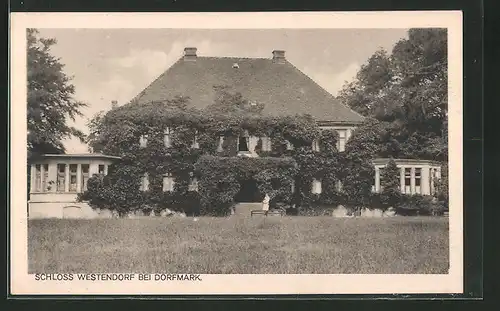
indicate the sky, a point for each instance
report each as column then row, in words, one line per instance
column 117, row 64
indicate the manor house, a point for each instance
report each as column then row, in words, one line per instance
column 274, row 81
column 285, row 91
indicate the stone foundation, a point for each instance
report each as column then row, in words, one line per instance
column 60, row 210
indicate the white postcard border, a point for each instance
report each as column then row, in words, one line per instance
column 23, row 283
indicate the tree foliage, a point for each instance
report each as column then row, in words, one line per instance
column 50, row 98
column 407, row 90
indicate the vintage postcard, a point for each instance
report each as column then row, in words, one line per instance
column 236, row 153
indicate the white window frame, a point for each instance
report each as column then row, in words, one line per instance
column 342, row 140
column 315, row 145
column 195, row 144
column 38, row 178
column 73, row 187
column 316, row 186
column 193, row 184
column 167, row 139
column 407, row 188
column 144, row 182
column 266, row 143
column 61, row 177
column 220, row 147
column 418, row 189
column 168, row 182
column 85, row 176
column 338, row 185
column 143, row 141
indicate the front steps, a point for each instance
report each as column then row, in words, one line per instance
column 243, row 209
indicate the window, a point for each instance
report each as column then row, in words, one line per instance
column 167, row 137
column 101, row 169
column 289, row 145
column 144, row 182
column 168, row 182
column 339, row 186
column 293, row 186
column 407, row 189
column 315, row 145
column 316, row 186
column 72, row 177
column 221, row 141
column 85, row 176
column 243, row 144
column 45, row 178
column 193, row 184
column 431, row 180
column 266, row 143
column 195, row 144
column 61, row 177
column 143, row 141
column 38, row 178
column 342, row 140
column 418, row 180
column 380, row 178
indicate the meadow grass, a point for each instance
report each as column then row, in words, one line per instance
column 260, row 245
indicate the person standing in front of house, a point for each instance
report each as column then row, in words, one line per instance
column 265, row 203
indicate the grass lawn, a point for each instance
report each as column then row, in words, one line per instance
column 240, row 245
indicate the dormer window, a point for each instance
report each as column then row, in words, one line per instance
column 236, row 66
column 143, row 141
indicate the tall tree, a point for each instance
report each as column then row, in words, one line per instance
column 50, row 99
column 409, row 90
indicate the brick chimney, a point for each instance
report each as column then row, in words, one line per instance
column 190, row 53
column 114, row 104
column 279, row 56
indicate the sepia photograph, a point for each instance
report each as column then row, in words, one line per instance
column 179, row 153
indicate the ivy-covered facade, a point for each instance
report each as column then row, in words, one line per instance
column 263, row 128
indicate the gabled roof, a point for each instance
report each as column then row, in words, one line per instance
column 281, row 87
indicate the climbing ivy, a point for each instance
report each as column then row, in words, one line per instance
column 219, row 172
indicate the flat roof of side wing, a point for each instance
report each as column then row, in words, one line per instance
column 77, row 155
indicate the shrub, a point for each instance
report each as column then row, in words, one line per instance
column 416, row 204
column 391, row 194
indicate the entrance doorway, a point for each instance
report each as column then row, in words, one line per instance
column 249, row 192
